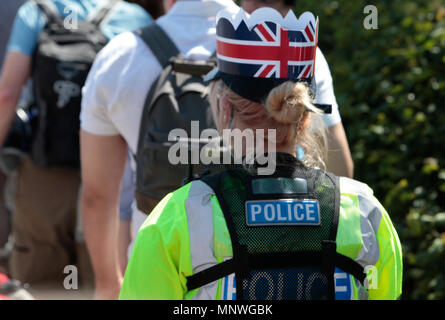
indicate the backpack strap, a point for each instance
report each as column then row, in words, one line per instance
column 193, row 68
column 103, row 13
column 47, row 10
column 159, row 42
column 211, row 274
column 163, row 49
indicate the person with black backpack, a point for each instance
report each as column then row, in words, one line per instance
column 54, row 42
column 142, row 85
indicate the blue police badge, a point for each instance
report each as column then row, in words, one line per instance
column 284, row 212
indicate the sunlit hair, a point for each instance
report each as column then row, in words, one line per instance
column 286, row 108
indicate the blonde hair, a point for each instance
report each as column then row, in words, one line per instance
column 285, row 109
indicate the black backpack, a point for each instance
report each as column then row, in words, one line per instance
column 176, row 98
column 61, row 64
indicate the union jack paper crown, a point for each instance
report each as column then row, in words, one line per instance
column 259, row 52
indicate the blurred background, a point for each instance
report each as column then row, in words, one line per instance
column 390, row 87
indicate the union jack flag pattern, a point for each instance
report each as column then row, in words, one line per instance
column 266, row 49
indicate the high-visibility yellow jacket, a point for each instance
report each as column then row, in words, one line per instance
column 187, row 233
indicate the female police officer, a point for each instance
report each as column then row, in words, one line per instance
column 298, row 233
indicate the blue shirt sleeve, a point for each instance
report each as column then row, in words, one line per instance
column 28, row 24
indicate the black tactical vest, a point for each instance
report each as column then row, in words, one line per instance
column 283, row 230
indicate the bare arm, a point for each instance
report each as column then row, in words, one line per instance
column 15, row 72
column 339, row 156
column 103, row 160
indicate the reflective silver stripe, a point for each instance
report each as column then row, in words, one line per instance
column 200, row 226
column 362, row 292
column 369, row 222
column 348, row 185
column 370, row 217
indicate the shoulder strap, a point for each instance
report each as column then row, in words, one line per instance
column 159, row 42
column 211, row 274
column 50, row 14
column 163, row 49
column 102, row 14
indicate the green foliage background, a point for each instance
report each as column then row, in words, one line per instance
column 390, row 86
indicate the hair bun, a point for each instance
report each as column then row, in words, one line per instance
column 287, row 102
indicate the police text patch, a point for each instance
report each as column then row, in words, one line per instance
column 282, row 212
